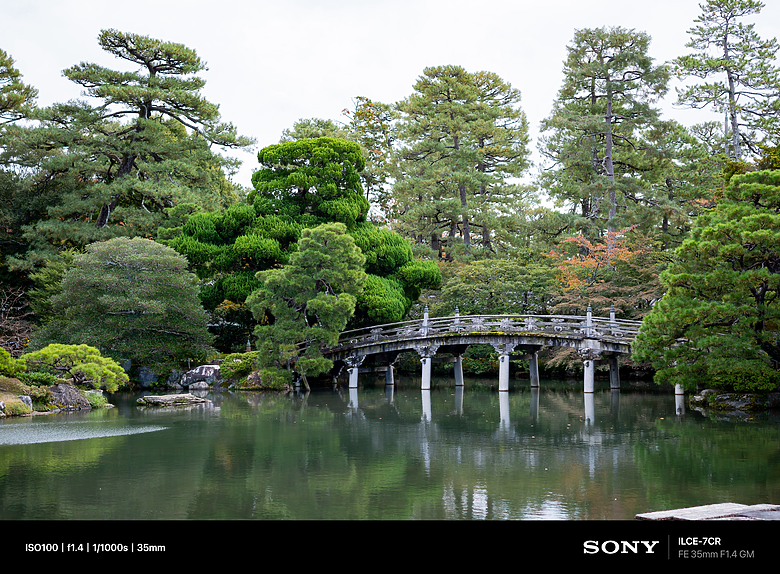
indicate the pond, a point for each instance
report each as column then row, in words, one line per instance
column 389, row 453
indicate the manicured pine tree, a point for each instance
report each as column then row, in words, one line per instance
column 717, row 324
column 302, row 184
column 132, row 299
column 307, row 302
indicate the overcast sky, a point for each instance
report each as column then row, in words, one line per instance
column 272, row 63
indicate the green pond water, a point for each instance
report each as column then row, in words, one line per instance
column 389, row 453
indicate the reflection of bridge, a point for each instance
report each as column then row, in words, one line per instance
column 597, row 340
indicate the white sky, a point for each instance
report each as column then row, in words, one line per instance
column 272, row 63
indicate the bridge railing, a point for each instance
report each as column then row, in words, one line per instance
column 599, row 327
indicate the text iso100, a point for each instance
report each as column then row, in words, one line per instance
column 33, row 547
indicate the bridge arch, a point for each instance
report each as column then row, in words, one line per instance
column 596, row 339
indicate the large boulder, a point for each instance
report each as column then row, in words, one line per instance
column 146, row 378
column 67, row 397
column 209, row 374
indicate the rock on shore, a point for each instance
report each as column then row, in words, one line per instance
column 170, row 400
column 747, row 402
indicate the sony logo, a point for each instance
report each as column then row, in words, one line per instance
column 622, row 546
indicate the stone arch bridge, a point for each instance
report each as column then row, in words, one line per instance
column 598, row 340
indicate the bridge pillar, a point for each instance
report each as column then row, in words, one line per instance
column 679, row 399
column 590, row 375
column 533, row 369
column 426, row 353
column 353, row 377
column 426, row 373
column 589, row 357
column 458, row 370
column 389, row 379
column 614, row 374
column 353, row 367
column 503, row 349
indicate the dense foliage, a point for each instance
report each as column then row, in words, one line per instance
column 309, row 301
column 109, row 168
column 719, row 321
column 82, row 364
column 120, row 227
column 133, row 299
column 303, row 183
column 461, row 135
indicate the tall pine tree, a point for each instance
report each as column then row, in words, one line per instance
column 741, row 79
column 595, row 133
column 718, row 322
column 111, row 167
column 460, row 136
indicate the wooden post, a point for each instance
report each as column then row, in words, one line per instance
column 588, row 321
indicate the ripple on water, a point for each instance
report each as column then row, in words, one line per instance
column 58, row 432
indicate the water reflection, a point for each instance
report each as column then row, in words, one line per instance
column 392, row 452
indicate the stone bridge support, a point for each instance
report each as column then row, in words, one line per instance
column 458, row 369
column 590, row 360
column 353, row 368
column 426, row 359
column 503, row 350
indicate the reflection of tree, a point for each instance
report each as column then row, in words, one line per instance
column 712, row 460
column 306, row 457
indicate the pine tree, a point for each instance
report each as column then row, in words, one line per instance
column 16, row 97
column 17, row 100
column 373, row 125
column 302, row 184
column 109, row 169
column 718, row 323
column 598, row 120
column 133, row 299
column 743, row 80
column 309, row 301
column 461, row 135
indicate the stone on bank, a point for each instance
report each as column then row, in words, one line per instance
column 170, row 400
column 747, row 402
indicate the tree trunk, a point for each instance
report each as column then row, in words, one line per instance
column 732, row 103
column 733, row 118
column 608, row 162
column 466, row 227
column 463, row 199
column 105, row 212
column 486, row 243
